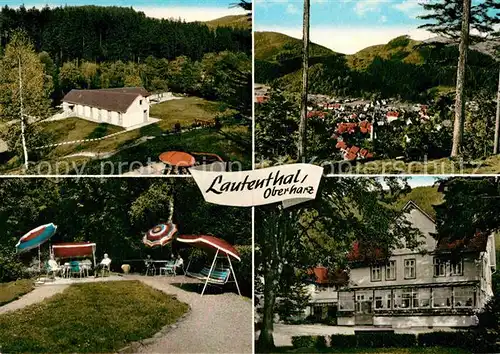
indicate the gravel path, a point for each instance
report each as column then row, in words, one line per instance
column 216, row 323
column 37, row 295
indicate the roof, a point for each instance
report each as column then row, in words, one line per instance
column 323, row 275
column 136, row 90
column 116, row 100
column 412, row 205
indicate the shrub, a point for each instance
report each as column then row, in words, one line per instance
column 460, row 339
column 177, row 127
column 318, row 342
column 343, row 341
column 384, row 339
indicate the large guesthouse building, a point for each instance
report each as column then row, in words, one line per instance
column 125, row 107
column 437, row 284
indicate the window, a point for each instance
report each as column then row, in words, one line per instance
column 390, row 271
column 376, row 273
column 120, row 118
column 441, row 297
column 463, row 297
column 457, row 267
column 140, row 102
column 382, row 299
column 346, row 301
column 410, row 269
column 440, row 267
column 406, row 299
column 424, row 298
column 109, row 116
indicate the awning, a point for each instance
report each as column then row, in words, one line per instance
column 73, row 249
column 210, row 243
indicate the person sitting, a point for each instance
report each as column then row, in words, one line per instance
column 104, row 265
column 178, row 263
column 54, row 267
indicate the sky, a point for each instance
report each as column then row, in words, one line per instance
column 346, row 26
column 188, row 10
column 418, row 181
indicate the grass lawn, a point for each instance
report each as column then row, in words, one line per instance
column 416, row 350
column 232, row 143
column 184, row 111
column 14, row 290
column 98, row 317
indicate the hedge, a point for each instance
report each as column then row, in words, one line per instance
column 383, row 339
column 318, row 342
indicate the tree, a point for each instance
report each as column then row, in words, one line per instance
column 470, row 206
column 88, row 71
column 454, row 19
column 24, row 90
column 323, row 231
column 305, row 69
column 70, row 77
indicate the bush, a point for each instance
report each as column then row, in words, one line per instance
column 371, row 339
column 460, row 339
column 177, row 127
column 318, row 342
column 343, row 341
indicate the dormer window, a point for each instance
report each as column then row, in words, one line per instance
column 376, row 273
column 457, row 267
column 440, row 267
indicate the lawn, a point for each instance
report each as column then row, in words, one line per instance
column 232, row 143
column 184, row 111
column 98, row 317
column 416, row 350
column 14, row 290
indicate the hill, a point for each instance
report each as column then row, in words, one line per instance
column 424, row 197
column 402, row 68
column 271, row 45
column 234, row 21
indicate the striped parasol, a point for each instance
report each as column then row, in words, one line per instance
column 35, row 237
column 160, row 235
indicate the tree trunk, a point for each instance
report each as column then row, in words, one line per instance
column 23, row 138
column 305, row 67
column 497, row 120
column 458, row 126
column 271, row 279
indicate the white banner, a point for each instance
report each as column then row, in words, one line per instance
column 290, row 184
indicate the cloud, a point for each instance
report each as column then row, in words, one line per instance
column 349, row 40
column 362, row 7
column 292, row 9
column 411, row 8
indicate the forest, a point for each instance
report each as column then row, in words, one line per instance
column 97, row 33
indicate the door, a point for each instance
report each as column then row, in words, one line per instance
column 364, row 310
column 145, row 116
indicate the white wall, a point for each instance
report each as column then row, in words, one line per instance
column 135, row 113
column 133, row 116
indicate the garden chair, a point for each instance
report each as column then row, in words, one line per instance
column 75, row 268
column 168, row 268
column 105, row 265
column 150, row 267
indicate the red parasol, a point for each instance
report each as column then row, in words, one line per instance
column 177, row 158
column 211, row 243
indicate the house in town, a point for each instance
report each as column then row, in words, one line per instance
column 124, row 107
column 437, row 284
column 434, row 285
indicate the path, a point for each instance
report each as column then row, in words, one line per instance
column 216, row 323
